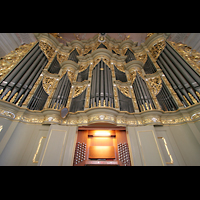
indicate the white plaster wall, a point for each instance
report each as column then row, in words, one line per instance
column 20, row 142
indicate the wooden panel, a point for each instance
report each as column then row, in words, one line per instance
column 121, row 136
column 101, row 141
column 101, row 152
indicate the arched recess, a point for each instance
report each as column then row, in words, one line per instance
column 101, row 86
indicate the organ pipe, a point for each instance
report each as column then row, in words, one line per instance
column 184, row 80
column 101, row 88
column 22, row 78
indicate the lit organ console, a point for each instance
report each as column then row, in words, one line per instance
column 102, row 150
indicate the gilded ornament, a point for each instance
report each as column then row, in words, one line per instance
column 124, row 90
column 190, row 55
column 141, row 57
column 48, row 83
column 62, row 57
column 47, row 48
column 79, row 90
column 148, row 35
column 156, row 49
column 155, row 84
column 9, row 61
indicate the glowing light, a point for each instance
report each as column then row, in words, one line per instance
column 102, row 133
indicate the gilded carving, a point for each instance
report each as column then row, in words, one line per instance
column 7, row 113
column 149, row 35
column 47, row 48
column 79, row 90
column 9, row 61
column 189, row 54
column 124, row 90
column 155, row 84
column 120, row 68
column 141, row 56
column 133, row 73
column 48, row 83
column 156, row 49
column 62, row 57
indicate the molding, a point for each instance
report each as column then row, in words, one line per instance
column 100, row 115
column 134, row 64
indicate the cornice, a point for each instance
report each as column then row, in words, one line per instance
column 133, row 64
column 69, row 63
column 101, row 52
column 153, row 39
column 100, row 115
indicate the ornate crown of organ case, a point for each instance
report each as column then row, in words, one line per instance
column 101, row 81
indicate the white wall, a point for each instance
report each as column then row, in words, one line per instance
column 20, row 142
column 59, row 146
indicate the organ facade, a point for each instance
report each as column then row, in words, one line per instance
column 148, row 92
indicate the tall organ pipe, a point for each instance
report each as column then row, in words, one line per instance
column 97, row 85
column 32, row 83
column 25, row 85
column 106, row 85
column 19, row 66
column 25, row 76
column 102, row 83
column 184, row 64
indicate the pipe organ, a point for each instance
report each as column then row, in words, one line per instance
column 100, row 102
column 112, row 74
column 101, row 86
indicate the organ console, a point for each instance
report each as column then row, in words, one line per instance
column 102, row 149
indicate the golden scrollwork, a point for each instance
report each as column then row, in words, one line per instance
column 120, row 68
column 156, row 84
column 47, row 48
column 9, row 61
column 78, row 90
column 61, row 57
column 156, row 49
column 83, row 67
column 124, row 90
column 141, row 57
column 149, row 35
column 48, row 83
column 189, row 54
column 87, row 49
column 132, row 75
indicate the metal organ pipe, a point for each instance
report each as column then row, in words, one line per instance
column 183, row 64
column 16, row 75
column 176, row 84
column 102, row 83
column 191, row 83
column 97, row 84
column 101, row 88
column 30, row 86
column 60, row 91
column 184, row 82
column 106, row 85
column 186, row 79
column 25, row 76
column 19, row 66
column 26, row 84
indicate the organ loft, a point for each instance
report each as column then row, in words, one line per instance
column 100, row 101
